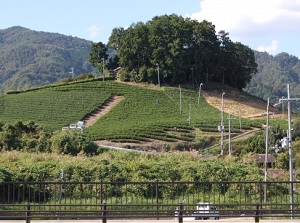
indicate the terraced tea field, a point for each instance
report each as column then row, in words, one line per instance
column 143, row 115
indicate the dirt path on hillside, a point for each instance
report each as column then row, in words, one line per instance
column 102, row 110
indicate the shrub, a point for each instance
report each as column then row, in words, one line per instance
column 123, row 75
column 72, row 142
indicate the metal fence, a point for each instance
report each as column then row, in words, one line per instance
column 147, row 200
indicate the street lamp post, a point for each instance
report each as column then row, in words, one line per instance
column 192, row 76
column 180, row 101
column 103, row 67
column 229, row 134
column 72, row 72
column 222, row 124
column 190, row 113
column 240, row 120
column 158, row 74
column 199, row 93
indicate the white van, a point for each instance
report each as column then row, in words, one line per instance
column 206, row 211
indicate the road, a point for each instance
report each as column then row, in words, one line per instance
column 186, row 220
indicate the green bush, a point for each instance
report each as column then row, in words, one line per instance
column 72, row 143
column 123, row 75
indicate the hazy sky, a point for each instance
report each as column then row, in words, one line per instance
column 264, row 25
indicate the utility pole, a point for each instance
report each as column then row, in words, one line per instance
column 282, row 107
column 266, row 155
column 289, row 138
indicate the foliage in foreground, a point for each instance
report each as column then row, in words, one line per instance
column 122, row 166
column 32, row 138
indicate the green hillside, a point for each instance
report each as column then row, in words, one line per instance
column 279, row 70
column 147, row 113
column 29, row 58
column 144, row 114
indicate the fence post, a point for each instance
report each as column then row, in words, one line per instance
column 257, row 214
column 28, row 213
column 101, row 192
column 103, row 212
column 261, row 192
column 180, row 213
column 156, row 194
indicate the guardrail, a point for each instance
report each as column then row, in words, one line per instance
column 145, row 200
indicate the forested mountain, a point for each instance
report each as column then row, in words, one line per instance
column 30, row 58
column 273, row 75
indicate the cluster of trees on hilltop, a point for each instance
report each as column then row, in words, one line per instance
column 183, row 50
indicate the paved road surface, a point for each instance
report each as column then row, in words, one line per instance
column 187, row 220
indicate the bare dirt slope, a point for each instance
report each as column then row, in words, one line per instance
column 238, row 103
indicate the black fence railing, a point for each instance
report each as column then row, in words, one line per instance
column 148, row 200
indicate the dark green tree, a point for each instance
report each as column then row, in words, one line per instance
column 97, row 55
column 115, row 38
column 134, row 49
column 169, row 44
column 244, row 65
column 225, row 60
column 205, row 50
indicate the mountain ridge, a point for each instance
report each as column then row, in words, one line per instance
column 33, row 58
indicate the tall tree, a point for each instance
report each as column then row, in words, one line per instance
column 244, row 65
column 134, row 49
column 98, row 55
column 168, row 42
column 225, row 58
column 115, row 38
column 206, row 49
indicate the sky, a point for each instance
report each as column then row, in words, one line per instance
column 271, row 26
